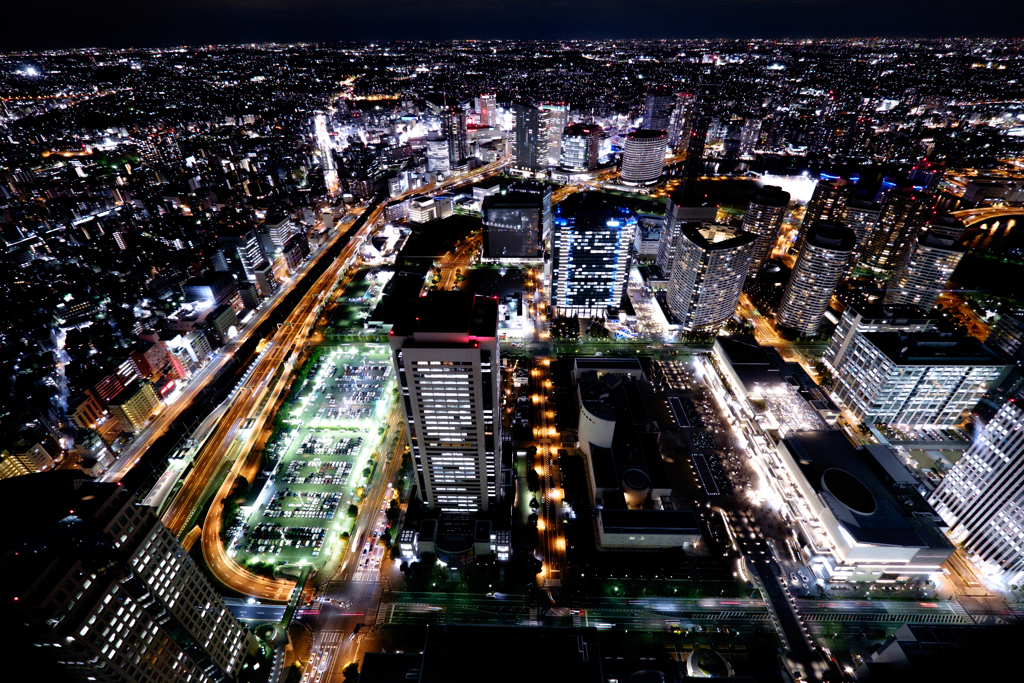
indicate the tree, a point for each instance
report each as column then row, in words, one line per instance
column 351, row 673
column 393, row 512
column 532, row 480
column 353, row 510
column 385, row 538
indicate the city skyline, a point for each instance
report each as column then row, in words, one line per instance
column 58, row 24
column 449, row 360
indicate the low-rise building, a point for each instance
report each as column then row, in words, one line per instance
column 853, row 521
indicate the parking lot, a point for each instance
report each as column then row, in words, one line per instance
column 320, row 458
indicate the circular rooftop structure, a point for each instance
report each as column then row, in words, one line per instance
column 848, row 490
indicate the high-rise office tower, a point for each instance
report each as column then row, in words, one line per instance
column 982, row 497
column 590, row 254
column 915, row 378
column 512, row 227
column 557, row 116
column 699, row 120
column 438, row 159
column 861, row 216
column 580, row 147
column 487, row 110
column 826, row 204
column 923, row 271
column 643, row 157
column 764, row 219
column 531, row 140
column 679, row 211
column 897, row 223
column 873, row 319
column 658, row 104
column 445, row 352
column 454, row 120
column 711, row 263
column 104, row 591
column 823, row 259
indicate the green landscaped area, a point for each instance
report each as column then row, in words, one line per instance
column 321, row 456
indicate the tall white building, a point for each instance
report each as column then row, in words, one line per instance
column 590, row 254
column 104, row 590
column 823, row 259
column 643, row 157
column 711, row 263
column 764, row 219
column 982, row 497
column 924, row 270
column 914, row 379
column 446, row 358
column 558, row 114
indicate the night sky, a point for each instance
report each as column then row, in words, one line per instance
column 38, row 24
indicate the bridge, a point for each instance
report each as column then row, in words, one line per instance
column 979, row 215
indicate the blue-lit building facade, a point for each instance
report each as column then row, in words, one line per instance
column 590, row 254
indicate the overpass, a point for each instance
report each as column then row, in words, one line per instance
column 979, row 215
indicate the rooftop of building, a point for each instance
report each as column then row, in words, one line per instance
column 715, row 236
column 582, row 130
column 832, row 236
column 513, row 199
column 770, row 195
column 643, row 134
column 932, row 348
column 650, row 521
column 40, row 500
column 937, row 240
column 635, row 440
column 450, row 313
column 849, row 481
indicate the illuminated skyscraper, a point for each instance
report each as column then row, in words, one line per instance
column 531, row 141
column 711, row 263
column 580, row 147
column 104, row 590
column 487, row 110
column 590, row 254
column 982, row 497
column 454, row 120
column 823, row 260
column 923, row 271
column 445, row 352
column 643, row 157
column 826, row 204
column 897, row 223
column 699, row 120
column 764, row 219
column 658, row 105
column 557, row 115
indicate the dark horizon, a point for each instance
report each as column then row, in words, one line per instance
column 60, row 24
